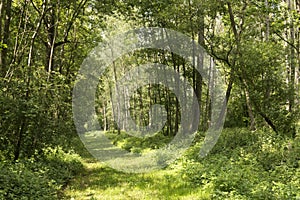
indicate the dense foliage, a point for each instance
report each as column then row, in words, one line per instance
column 255, row 45
column 40, row 177
column 247, row 165
column 243, row 165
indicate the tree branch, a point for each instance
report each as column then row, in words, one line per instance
column 285, row 40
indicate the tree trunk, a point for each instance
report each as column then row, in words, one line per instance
column 176, row 68
column 117, row 91
column 267, row 21
column 199, row 66
column 292, row 65
column 6, row 33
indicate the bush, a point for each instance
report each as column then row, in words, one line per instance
column 19, row 182
column 38, row 178
column 246, row 165
column 138, row 145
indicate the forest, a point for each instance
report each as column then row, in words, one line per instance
column 208, row 90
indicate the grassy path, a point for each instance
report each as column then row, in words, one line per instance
column 243, row 165
column 98, row 181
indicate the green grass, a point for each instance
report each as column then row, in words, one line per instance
column 99, row 181
column 242, row 165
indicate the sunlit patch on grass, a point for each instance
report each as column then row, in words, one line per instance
column 243, row 165
column 98, row 181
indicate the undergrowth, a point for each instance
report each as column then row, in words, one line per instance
column 242, row 165
column 40, row 177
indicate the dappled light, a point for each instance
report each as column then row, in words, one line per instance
column 150, row 99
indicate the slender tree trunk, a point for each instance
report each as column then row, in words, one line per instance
column 118, row 100
column 232, row 67
column 23, row 120
column 177, row 111
column 200, row 63
column 6, row 34
column 209, row 95
column 267, row 21
column 104, row 116
column 51, row 24
column 114, row 112
column 184, row 106
column 292, row 65
column 1, row 41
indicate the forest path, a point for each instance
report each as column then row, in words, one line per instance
column 98, row 181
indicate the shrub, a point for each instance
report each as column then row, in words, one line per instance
column 246, row 165
column 40, row 177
